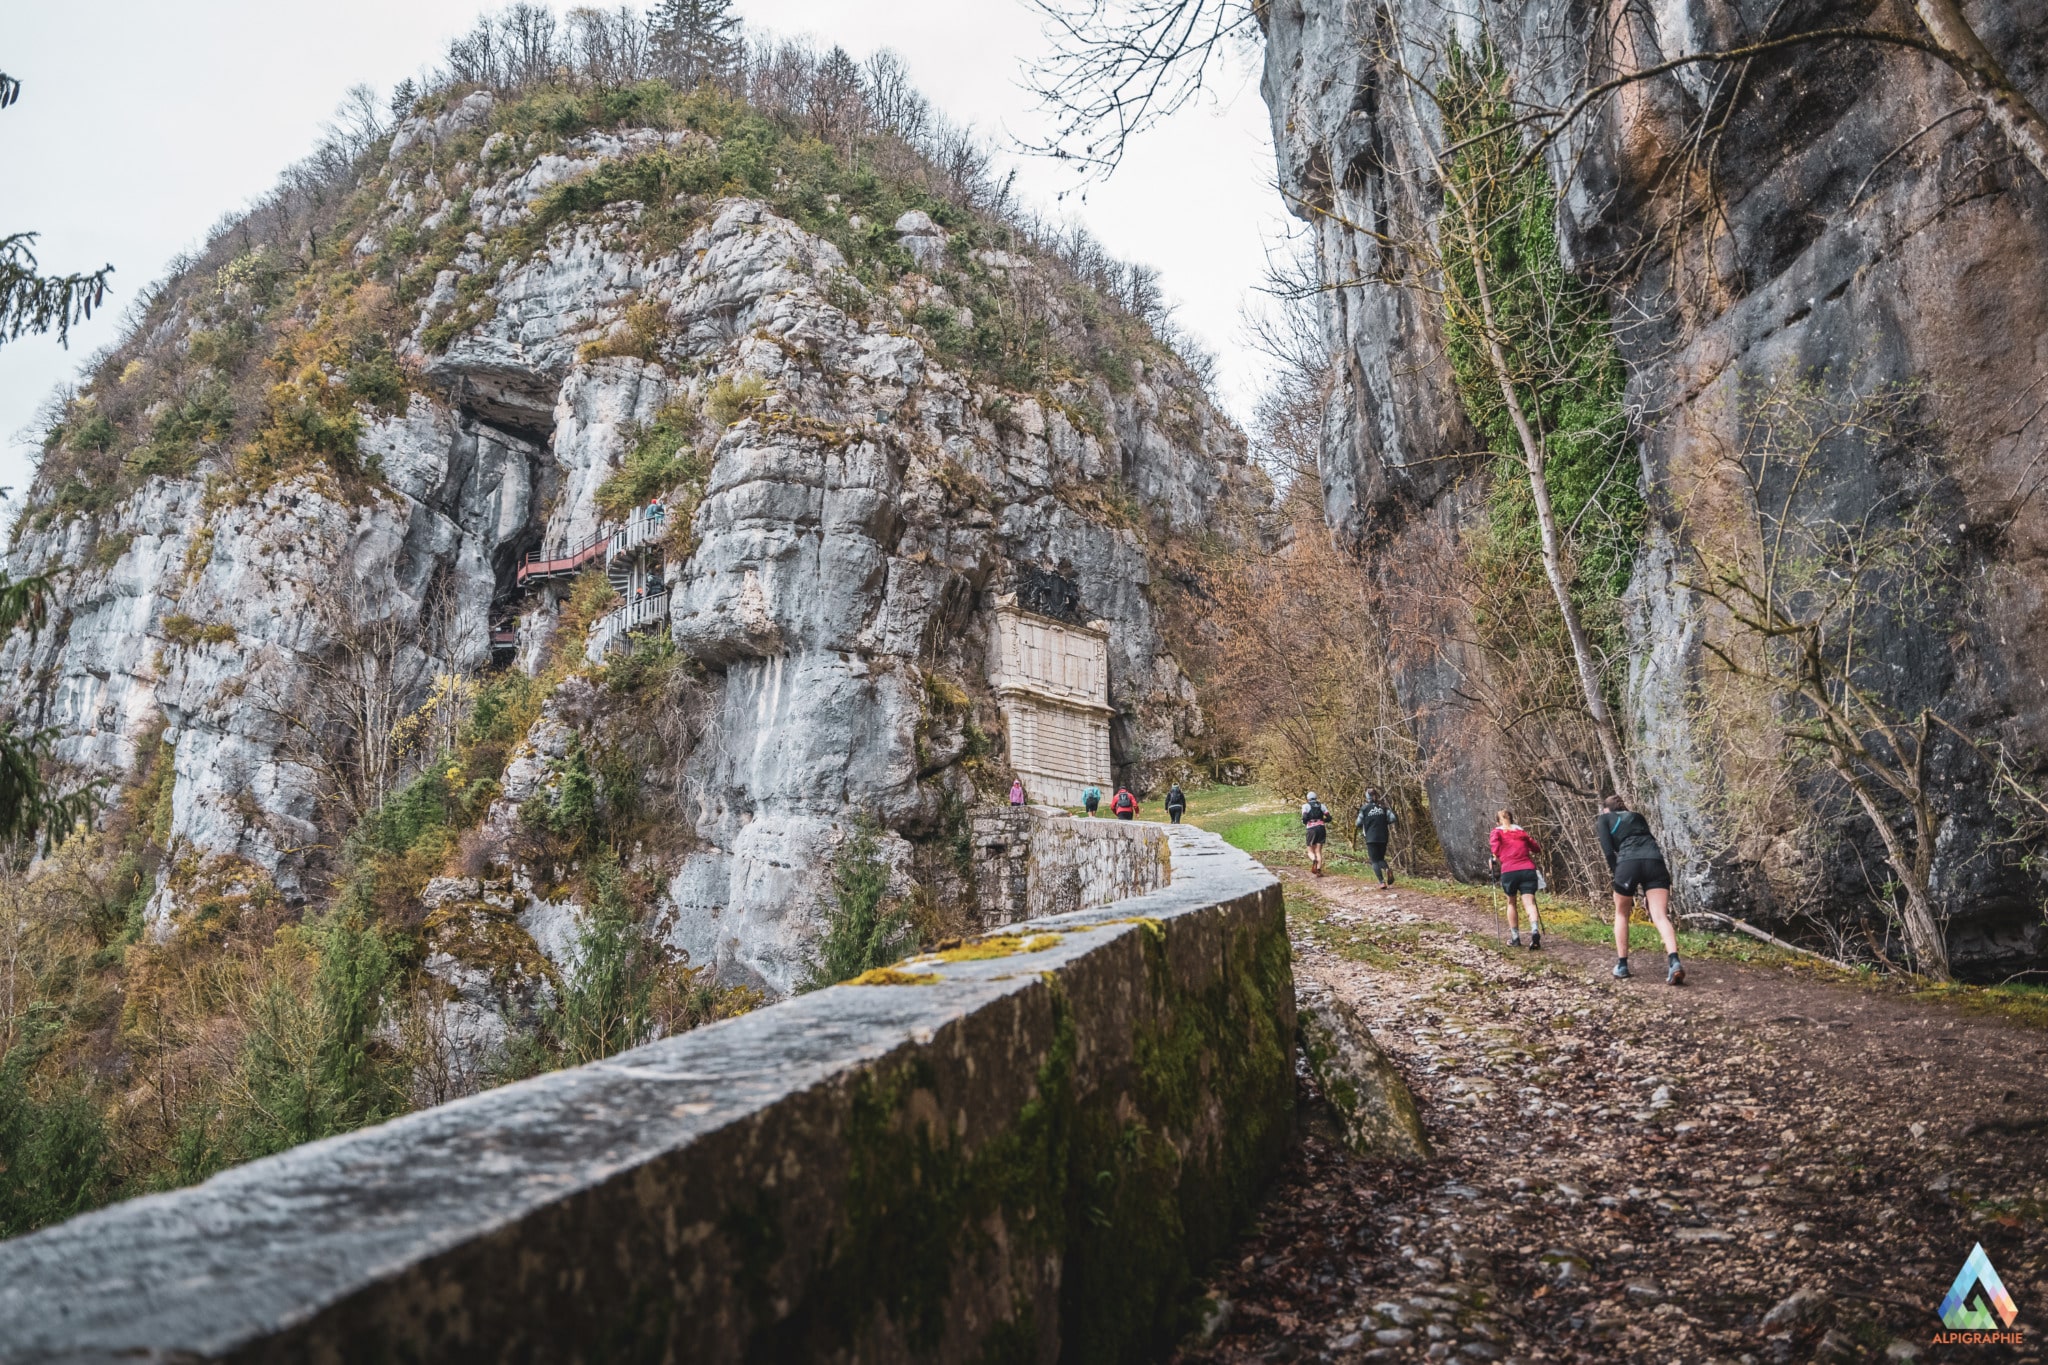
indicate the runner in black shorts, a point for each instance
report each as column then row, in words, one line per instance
column 1514, row 853
column 1315, row 823
column 1638, row 865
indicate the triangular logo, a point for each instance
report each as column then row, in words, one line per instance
column 1962, row 1313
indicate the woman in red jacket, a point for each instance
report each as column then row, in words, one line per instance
column 1514, row 854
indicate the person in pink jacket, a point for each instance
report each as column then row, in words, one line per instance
column 1514, row 856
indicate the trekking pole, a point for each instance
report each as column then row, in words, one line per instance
column 1504, row 915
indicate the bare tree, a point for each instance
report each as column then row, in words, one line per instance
column 613, row 47
column 894, row 103
column 344, row 710
column 1118, row 67
column 1816, row 600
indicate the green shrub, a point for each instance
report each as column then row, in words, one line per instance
column 107, row 550
column 422, row 806
column 55, row 1158
column 95, row 431
column 205, row 416
column 664, row 456
column 309, row 1069
column 181, row 629
column 1557, row 336
column 375, row 379
column 300, row 427
column 862, row 932
column 569, row 821
column 731, row 399
column 606, row 1003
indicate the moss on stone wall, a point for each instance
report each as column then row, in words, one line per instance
column 1130, row 1179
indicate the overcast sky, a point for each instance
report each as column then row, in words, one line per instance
column 142, row 122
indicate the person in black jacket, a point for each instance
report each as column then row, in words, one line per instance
column 1375, row 823
column 1176, row 802
column 1637, row 863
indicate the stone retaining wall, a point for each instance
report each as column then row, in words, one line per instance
column 1039, row 861
column 1025, row 1157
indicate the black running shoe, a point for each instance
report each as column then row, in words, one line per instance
column 1676, row 976
column 1514, row 938
column 1621, row 970
column 1536, row 942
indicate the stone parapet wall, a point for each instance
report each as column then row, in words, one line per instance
column 1014, row 1157
column 1035, row 861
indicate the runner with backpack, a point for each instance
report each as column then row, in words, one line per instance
column 1375, row 823
column 1176, row 802
column 1091, row 798
column 1315, row 822
column 1124, row 805
column 1637, row 862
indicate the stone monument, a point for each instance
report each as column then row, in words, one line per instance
column 1051, row 679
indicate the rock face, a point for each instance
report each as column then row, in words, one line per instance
column 1848, row 251
column 865, row 500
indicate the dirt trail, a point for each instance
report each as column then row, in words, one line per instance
column 1633, row 1172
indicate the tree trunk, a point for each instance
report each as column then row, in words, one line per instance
column 1553, row 564
column 1923, row 932
column 2012, row 112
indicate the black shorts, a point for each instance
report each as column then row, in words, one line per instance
column 1376, row 852
column 1519, row 883
column 1638, row 875
column 1317, row 834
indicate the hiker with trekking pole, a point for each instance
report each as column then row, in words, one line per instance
column 1637, row 862
column 1514, row 859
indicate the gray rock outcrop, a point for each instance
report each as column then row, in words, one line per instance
column 865, row 498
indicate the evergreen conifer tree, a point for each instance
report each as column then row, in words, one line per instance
column 30, row 302
column 696, row 42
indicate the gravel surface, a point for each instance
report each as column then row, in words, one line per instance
column 1753, row 1167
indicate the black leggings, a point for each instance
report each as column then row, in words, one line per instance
column 1377, row 854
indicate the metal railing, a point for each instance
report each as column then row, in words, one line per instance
column 615, row 626
column 548, row 563
column 643, row 526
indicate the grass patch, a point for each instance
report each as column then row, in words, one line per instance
column 2016, row 1002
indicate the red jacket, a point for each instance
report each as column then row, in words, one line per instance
column 1124, row 801
column 1515, row 848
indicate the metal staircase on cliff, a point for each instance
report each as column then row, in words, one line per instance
column 630, row 552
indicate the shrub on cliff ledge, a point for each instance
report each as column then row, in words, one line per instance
column 864, row 931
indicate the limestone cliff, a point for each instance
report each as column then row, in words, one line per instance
column 305, row 486
column 1820, row 215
